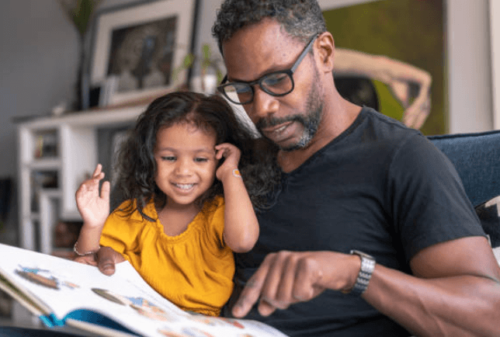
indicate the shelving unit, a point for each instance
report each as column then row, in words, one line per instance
column 55, row 155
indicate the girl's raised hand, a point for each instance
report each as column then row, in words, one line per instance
column 232, row 157
column 92, row 205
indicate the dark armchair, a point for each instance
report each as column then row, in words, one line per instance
column 476, row 157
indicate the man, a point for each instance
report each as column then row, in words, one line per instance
column 352, row 180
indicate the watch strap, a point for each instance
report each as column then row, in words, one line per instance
column 365, row 273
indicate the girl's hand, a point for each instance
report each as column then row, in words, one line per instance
column 93, row 208
column 232, row 157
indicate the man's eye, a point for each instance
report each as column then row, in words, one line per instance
column 276, row 79
column 200, row 160
column 241, row 88
column 168, row 158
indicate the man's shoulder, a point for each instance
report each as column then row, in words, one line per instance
column 381, row 127
column 373, row 131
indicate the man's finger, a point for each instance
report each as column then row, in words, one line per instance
column 251, row 293
column 265, row 308
column 284, row 295
column 276, row 282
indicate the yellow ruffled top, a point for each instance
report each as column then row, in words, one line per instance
column 194, row 270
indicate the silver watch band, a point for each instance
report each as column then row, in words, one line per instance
column 365, row 273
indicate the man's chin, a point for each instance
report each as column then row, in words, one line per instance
column 289, row 145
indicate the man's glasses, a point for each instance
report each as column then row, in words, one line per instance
column 278, row 83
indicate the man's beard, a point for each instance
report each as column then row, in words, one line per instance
column 310, row 121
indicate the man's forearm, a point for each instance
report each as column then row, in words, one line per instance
column 464, row 305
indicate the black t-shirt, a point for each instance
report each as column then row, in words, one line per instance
column 380, row 188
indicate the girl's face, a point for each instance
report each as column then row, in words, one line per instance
column 186, row 164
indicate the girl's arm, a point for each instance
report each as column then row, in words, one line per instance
column 94, row 209
column 241, row 228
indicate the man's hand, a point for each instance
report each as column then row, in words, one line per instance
column 105, row 259
column 286, row 278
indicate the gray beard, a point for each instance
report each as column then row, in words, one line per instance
column 309, row 121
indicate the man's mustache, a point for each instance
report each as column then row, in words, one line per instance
column 269, row 122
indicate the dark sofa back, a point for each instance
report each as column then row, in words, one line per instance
column 476, row 157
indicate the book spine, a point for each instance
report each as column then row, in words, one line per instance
column 46, row 320
column 57, row 321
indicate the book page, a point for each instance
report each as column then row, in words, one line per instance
column 74, row 290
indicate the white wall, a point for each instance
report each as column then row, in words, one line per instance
column 469, row 66
column 37, row 66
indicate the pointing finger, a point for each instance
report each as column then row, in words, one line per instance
column 251, row 293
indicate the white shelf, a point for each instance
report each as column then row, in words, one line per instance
column 44, row 164
column 75, row 158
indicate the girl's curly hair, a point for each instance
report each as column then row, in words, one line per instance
column 136, row 165
column 300, row 18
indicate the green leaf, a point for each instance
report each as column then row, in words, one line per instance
column 206, row 51
column 188, row 60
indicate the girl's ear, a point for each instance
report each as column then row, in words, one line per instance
column 325, row 47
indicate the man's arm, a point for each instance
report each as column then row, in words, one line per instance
column 455, row 290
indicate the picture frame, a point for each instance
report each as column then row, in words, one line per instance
column 140, row 46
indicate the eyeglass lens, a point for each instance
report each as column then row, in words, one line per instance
column 277, row 84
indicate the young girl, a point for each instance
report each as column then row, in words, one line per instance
column 187, row 208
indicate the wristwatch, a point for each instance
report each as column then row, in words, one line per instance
column 365, row 273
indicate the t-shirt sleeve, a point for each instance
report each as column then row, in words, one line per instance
column 428, row 201
column 119, row 231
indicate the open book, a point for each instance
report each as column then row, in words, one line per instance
column 63, row 292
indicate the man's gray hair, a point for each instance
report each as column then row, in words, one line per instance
column 300, row 18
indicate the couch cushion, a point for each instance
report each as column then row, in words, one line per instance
column 476, row 157
column 489, row 214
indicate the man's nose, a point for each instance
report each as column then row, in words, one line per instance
column 263, row 105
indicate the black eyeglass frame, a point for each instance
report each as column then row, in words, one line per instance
column 259, row 81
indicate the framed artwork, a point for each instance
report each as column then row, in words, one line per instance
column 391, row 55
column 136, row 48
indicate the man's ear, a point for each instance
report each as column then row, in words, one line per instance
column 325, row 52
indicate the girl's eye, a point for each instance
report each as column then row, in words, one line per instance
column 168, row 158
column 200, row 160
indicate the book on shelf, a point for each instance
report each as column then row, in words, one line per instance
column 63, row 292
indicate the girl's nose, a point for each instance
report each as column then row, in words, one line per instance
column 183, row 167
